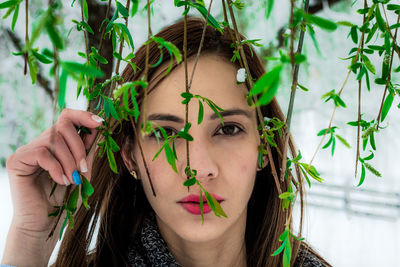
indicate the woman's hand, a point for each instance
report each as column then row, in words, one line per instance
column 33, row 168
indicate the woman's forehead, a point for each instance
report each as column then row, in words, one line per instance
column 214, row 78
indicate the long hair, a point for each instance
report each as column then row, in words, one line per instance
column 119, row 202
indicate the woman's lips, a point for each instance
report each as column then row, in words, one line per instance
column 191, row 203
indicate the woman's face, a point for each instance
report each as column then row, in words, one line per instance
column 225, row 157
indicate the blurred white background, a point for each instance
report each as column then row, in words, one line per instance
column 348, row 226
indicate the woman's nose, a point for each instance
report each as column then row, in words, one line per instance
column 202, row 159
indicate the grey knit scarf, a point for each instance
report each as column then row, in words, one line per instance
column 150, row 249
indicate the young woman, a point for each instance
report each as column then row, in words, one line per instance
column 136, row 227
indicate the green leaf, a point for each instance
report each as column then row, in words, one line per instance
column 267, row 85
column 86, row 186
column 287, row 253
column 54, row 36
column 62, row 88
column 33, row 67
column 63, row 227
column 85, row 10
column 343, row 141
column 279, row 250
column 135, row 7
column 386, row 105
column 9, row 3
column 354, row 34
column 345, row 23
column 213, row 203
column 362, row 177
column 53, row 189
column 190, row 182
column 111, row 160
column 87, row 27
column 122, row 10
column 372, row 169
column 73, row 200
column 323, row 23
column 201, row 113
column 393, row 7
column 368, row 63
column 15, row 17
column 371, row 32
column 268, row 8
column 75, row 67
column 203, row 11
column 126, row 33
column 170, row 157
column 41, row 58
column 380, row 20
column 113, row 145
column 185, row 136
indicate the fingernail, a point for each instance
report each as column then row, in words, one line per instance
column 97, row 118
column 83, row 165
column 65, row 179
column 76, row 177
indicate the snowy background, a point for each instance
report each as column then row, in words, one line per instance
column 348, row 226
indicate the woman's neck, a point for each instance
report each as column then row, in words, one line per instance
column 228, row 250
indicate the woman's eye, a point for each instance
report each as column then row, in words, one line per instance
column 229, row 129
column 157, row 133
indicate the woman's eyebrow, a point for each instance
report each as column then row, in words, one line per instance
column 231, row 112
column 224, row 113
column 165, row 117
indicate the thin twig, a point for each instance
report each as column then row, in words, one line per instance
column 102, row 36
column 146, row 68
column 201, row 45
column 359, row 99
column 85, row 36
column 121, row 45
column 295, row 74
column 26, row 36
column 142, row 154
column 186, row 82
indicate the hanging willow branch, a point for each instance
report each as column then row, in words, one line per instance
column 295, row 74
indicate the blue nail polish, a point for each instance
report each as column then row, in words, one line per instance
column 76, row 177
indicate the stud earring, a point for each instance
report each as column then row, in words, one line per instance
column 133, row 173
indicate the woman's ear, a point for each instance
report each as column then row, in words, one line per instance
column 265, row 163
column 127, row 157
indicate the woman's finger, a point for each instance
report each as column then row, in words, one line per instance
column 63, row 154
column 66, row 127
column 28, row 162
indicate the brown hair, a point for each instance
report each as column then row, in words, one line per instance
column 120, row 203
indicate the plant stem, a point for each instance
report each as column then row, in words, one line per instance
column 85, row 36
column 201, row 44
column 142, row 154
column 121, row 45
column 295, row 74
column 186, row 83
column 359, row 99
column 26, row 37
column 146, row 68
column 102, row 37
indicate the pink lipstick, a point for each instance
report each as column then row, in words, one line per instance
column 191, row 203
